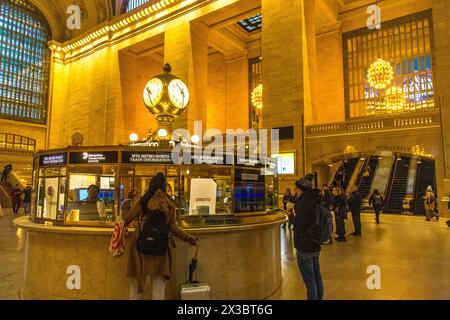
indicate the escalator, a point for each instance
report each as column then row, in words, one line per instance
column 398, row 185
column 425, row 176
column 349, row 168
column 365, row 183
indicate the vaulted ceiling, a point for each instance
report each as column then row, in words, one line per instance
column 93, row 12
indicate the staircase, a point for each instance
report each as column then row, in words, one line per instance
column 398, row 186
column 366, row 183
column 5, row 191
column 426, row 176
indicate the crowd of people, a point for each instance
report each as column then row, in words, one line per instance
column 311, row 215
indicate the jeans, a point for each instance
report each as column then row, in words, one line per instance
column 16, row 207
column 309, row 265
column 340, row 225
column 158, row 288
column 329, row 230
column 377, row 210
column 356, row 216
column 27, row 207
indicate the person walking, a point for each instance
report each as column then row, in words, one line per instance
column 376, row 201
column 339, row 205
column 27, row 199
column 16, row 198
column 143, row 267
column 6, row 172
column 308, row 235
column 327, row 204
column 287, row 199
column 354, row 204
column 430, row 204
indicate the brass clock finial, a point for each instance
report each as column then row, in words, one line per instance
column 167, row 68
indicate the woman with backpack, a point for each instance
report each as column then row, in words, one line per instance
column 377, row 202
column 150, row 256
column 430, row 204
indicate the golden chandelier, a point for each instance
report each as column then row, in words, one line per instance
column 257, row 97
column 380, row 74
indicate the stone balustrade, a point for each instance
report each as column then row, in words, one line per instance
column 389, row 122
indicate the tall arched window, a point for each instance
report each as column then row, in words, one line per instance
column 24, row 62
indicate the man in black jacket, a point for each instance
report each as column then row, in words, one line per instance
column 308, row 235
column 354, row 204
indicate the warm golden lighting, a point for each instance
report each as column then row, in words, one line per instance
column 395, row 99
column 380, row 74
column 162, row 133
column 134, row 137
column 257, row 97
column 418, row 150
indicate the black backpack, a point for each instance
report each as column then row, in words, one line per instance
column 154, row 236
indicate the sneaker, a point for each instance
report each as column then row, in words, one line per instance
column 353, row 234
column 326, row 243
column 341, row 239
column 357, row 235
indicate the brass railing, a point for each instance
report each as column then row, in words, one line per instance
column 381, row 123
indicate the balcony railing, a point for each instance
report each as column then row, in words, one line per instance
column 16, row 152
column 384, row 123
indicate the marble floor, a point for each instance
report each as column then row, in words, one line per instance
column 413, row 256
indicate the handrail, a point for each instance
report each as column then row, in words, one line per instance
column 391, row 182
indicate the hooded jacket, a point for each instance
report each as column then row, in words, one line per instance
column 305, row 210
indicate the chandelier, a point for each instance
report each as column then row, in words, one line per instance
column 395, row 99
column 257, row 97
column 380, row 74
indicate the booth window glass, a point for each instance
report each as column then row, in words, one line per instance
column 50, row 194
column 249, row 191
column 91, row 194
column 406, row 44
column 24, row 62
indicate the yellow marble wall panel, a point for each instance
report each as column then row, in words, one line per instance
column 217, row 92
column 36, row 132
column 330, row 101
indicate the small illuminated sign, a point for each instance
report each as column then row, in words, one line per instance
column 53, row 159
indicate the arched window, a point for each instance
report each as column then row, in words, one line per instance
column 24, row 62
column 133, row 4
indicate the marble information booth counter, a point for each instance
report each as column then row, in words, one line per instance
column 78, row 195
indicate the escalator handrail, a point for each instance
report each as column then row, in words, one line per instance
column 387, row 198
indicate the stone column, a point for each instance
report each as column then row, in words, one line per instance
column 441, row 74
column 186, row 49
column 288, row 48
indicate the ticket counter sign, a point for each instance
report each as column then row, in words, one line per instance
column 129, row 157
column 94, row 157
column 59, row 159
column 203, row 197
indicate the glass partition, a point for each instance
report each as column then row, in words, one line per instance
column 50, row 194
column 91, row 194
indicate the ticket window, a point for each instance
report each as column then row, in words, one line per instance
column 50, row 194
column 91, row 194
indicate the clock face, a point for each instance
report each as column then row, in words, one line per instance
column 153, row 92
column 179, row 94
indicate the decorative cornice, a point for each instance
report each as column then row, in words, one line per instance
column 110, row 30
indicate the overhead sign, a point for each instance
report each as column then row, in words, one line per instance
column 203, row 197
column 130, row 157
column 53, row 159
column 94, row 157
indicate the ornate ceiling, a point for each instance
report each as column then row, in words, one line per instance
column 93, row 12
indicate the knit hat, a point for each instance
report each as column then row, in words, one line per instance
column 305, row 183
